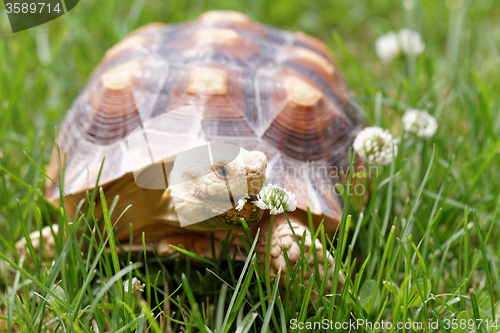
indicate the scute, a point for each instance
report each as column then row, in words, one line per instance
column 207, row 81
column 301, row 92
column 217, row 36
column 216, row 16
column 310, row 57
column 120, row 77
column 255, row 86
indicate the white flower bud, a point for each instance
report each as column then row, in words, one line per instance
column 410, row 42
column 242, row 202
column 419, row 122
column 137, row 286
column 391, row 44
column 387, row 46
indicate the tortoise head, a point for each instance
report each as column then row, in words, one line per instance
column 206, row 185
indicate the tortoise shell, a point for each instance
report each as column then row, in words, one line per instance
column 255, row 86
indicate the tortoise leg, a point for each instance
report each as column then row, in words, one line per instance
column 195, row 243
column 198, row 243
column 283, row 237
column 49, row 244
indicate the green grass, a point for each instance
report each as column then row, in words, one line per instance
column 424, row 247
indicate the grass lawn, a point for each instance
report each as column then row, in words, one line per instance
column 423, row 249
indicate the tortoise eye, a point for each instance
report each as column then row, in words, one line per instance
column 221, row 171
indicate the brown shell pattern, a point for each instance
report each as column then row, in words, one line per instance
column 256, row 86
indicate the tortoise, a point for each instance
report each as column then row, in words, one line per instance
column 273, row 103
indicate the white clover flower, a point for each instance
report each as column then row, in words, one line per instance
column 387, row 46
column 420, row 122
column 391, row 44
column 410, row 42
column 276, row 199
column 241, row 202
column 137, row 286
column 374, row 145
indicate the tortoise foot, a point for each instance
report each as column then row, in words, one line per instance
column 283, row 238
column 49, row 244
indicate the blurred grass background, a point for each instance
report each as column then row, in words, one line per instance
column 456, row 79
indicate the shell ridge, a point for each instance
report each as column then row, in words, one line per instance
column 147, row 107
column 268, row 73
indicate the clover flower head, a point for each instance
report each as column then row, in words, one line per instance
column 276, row 199
column 241, row 202
column 374, row 145
column 387, row 46
column 410, row 41
column 137, row 286
column 392, row 44
column 419, row 122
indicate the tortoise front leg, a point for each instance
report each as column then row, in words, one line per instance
column 282, row 237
